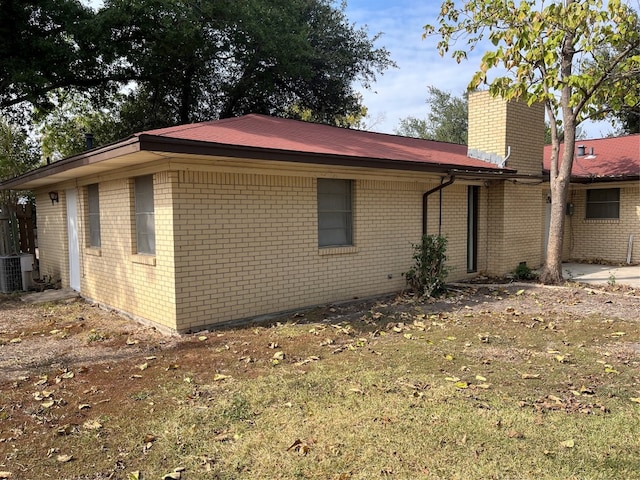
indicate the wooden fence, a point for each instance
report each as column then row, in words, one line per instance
column 17, row 229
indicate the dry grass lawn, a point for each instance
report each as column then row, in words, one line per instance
column 503, row 382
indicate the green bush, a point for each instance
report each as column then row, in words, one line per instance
column 427, row 276
column 523, row 272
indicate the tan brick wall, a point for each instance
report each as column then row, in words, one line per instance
column 513, row 208
column 52, row 237
column 604, row 239
column 113, row 275
column 496, row 125
column 515, row 225
column 235, row 245
column 255, row 250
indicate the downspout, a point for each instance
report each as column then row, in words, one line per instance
column 426, row 194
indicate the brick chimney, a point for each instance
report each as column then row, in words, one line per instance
column 510, row 134
column 500, row 130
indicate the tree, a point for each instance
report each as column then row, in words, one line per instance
column 46, row 45
column 446, row 122
column 62, row 131
column 198, row 60
column 17, row 155
column 548, row 52
column 192, row 60
column 627, row 120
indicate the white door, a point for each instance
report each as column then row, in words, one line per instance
column 72, row 235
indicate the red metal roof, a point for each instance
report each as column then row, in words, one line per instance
column 603, row 158
column 274, row 133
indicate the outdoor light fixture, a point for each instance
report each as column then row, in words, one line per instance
column 54, row 197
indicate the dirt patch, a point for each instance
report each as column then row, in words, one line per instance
column 37, row 338
column 40, row 338
column 67, row 368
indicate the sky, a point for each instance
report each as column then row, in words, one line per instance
column 402, row 92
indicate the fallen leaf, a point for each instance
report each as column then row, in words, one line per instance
column 47, row 404
column 172, row 476
column 15, row 340
column 635, row 399
column 4, row 475
column 68, row 375
column 133, row 475
column 84, row 406
column 202, row 338
column 452, row 379
column 520, row 292
column 568, row 443
column 219, row 377
column 278, row 356
column 300, row 447
column 149, row 438
column 530, row 376
column 92, row 425
column 462, row 385
column 64, row 458
column 515, row 434
column 143, row 366
column 131, row 341
column 65, row 430
column 480, row 378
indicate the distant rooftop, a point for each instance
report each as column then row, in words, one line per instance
column 611, row 158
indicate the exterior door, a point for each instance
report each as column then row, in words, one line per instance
column 72, row 235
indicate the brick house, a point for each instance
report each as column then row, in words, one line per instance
column 603, row 220
column 199, row 225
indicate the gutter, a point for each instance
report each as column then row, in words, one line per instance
column 425, row 196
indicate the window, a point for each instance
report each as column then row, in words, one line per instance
column 93, row 201
column 335, row 213
column 603, row 203
column 145, row 227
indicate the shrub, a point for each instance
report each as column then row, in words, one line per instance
column 523, row 272
column 427, row 276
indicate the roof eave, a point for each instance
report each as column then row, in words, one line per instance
column 97, row 155
column 192, row 147
column 154, row 143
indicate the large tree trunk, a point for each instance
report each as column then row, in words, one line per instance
column 560, row 172
column 552, row 271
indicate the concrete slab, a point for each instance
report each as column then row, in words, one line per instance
column 52, row 295
column 602, row 274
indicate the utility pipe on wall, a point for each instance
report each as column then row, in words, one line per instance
column 452, row 178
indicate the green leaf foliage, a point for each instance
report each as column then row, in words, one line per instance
column 428, row 274
column 578, row 57
column 446, row 121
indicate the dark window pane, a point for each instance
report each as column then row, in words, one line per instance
column 603, row 203
column 93, row 200
column 335, row 216
column 145, row 218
